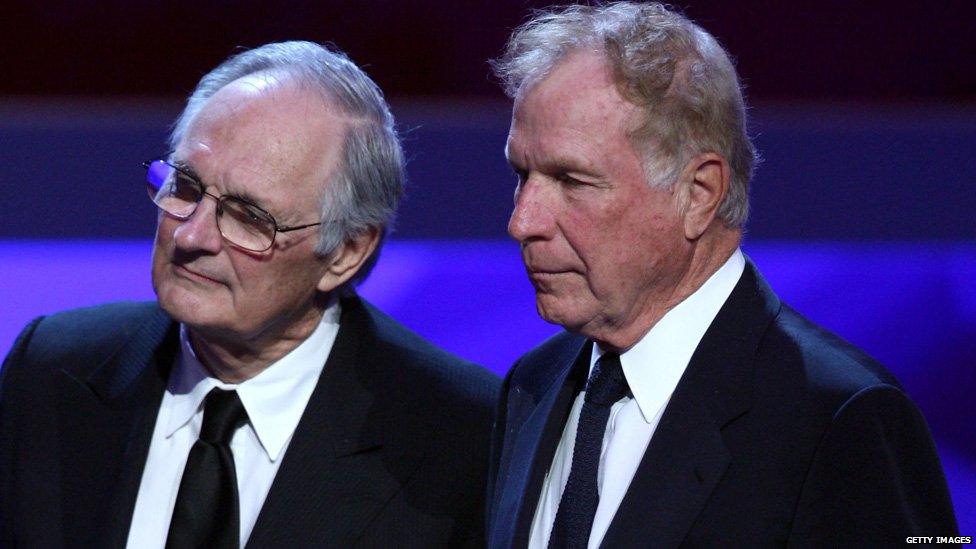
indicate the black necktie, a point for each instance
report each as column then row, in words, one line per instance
column 207, row 511
column 574, row 519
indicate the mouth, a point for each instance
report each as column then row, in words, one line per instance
column 194, row 275
column 546, row 279
column 540, row 273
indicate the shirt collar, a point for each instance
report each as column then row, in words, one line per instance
column 274, row 399
column 654, row 365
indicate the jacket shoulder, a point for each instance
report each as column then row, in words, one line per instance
column 82, row 336
column 871, row 470
column 454, row 379
column 829, row 369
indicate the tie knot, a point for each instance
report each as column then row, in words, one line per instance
column 607, row 383
column 223, row 413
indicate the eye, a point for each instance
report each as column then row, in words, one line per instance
column 520, row 175
column 569, row 180
column 251, row 213
column 183, row 187
column 242, row 217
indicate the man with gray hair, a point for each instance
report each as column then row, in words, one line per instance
column 259, row 401
column 685, row 405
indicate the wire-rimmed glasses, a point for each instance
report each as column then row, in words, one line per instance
column 178, row 193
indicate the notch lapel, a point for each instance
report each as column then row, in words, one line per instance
column 687, row 457
column 106, row 423
column 535, row 445
column 352, row 450
column 682, row 464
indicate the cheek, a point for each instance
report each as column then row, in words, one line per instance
column 165, row 228
column 600, row 236
column 266, row 285
column 625, row 246
column 160, row 251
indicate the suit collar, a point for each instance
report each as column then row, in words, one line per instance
column 687, row 455
column 722, row 365
column 538, row 437
column 115, row 379
column 654, row 365
column 350, row 385
column 355, row 446
column 358, row 442
column 110, row 413
column 274, row 399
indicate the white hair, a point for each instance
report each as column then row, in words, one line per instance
column 671, row 68
column 367, row 185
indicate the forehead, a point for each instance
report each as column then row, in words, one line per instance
column 265, row 134
column 576, row 104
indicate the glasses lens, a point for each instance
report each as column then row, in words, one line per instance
column 172, row 190
column 246, row 225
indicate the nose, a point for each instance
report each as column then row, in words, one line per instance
column 200, row 232
column 533, row 216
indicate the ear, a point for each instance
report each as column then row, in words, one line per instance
column 708, row 176
column 346, row 260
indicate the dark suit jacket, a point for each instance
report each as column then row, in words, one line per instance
column 778, row 433
column 391, row 450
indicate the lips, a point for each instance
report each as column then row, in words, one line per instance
column 546, row 279
column 196, row 275
column 543, row 266
column 533, row 268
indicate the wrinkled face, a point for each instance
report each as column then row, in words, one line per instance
column 275, row 145
column 601, row 248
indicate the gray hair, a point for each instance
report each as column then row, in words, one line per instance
column 367, row 185
column 671, row 68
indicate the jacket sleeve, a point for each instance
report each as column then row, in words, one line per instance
column 497, row 446
column 875, row 478
column 11, row 378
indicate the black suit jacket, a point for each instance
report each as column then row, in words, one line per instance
column 778, row 433
column 391, row 449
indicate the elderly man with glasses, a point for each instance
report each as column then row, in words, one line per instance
column 259, row 401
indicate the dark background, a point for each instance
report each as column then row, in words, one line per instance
column 827, row 50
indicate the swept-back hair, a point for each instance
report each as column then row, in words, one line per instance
column 677, row 73
column 366, row 187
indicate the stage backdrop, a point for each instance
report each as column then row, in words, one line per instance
column 862, row 220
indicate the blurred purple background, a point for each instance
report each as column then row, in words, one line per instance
column 862, row 210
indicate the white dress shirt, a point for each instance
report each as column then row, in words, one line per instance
column 652, row 367
column 274, row 400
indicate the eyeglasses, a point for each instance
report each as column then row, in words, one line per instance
column 178, row 193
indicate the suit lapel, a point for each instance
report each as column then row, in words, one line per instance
column 687, row 457
column 536, row 444
column 352, row 450
column 682, row 464
column 106, row 424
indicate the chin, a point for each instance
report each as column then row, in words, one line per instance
column 551, row 311
column 183, row 305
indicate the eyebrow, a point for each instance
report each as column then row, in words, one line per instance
column 555, row 162
column 184, row 166
column 558, row 164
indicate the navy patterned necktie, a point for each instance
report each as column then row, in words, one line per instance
column 574, row 518
column 207, row 512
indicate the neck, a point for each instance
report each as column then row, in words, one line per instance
column 235, row 359
column 707, row 256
